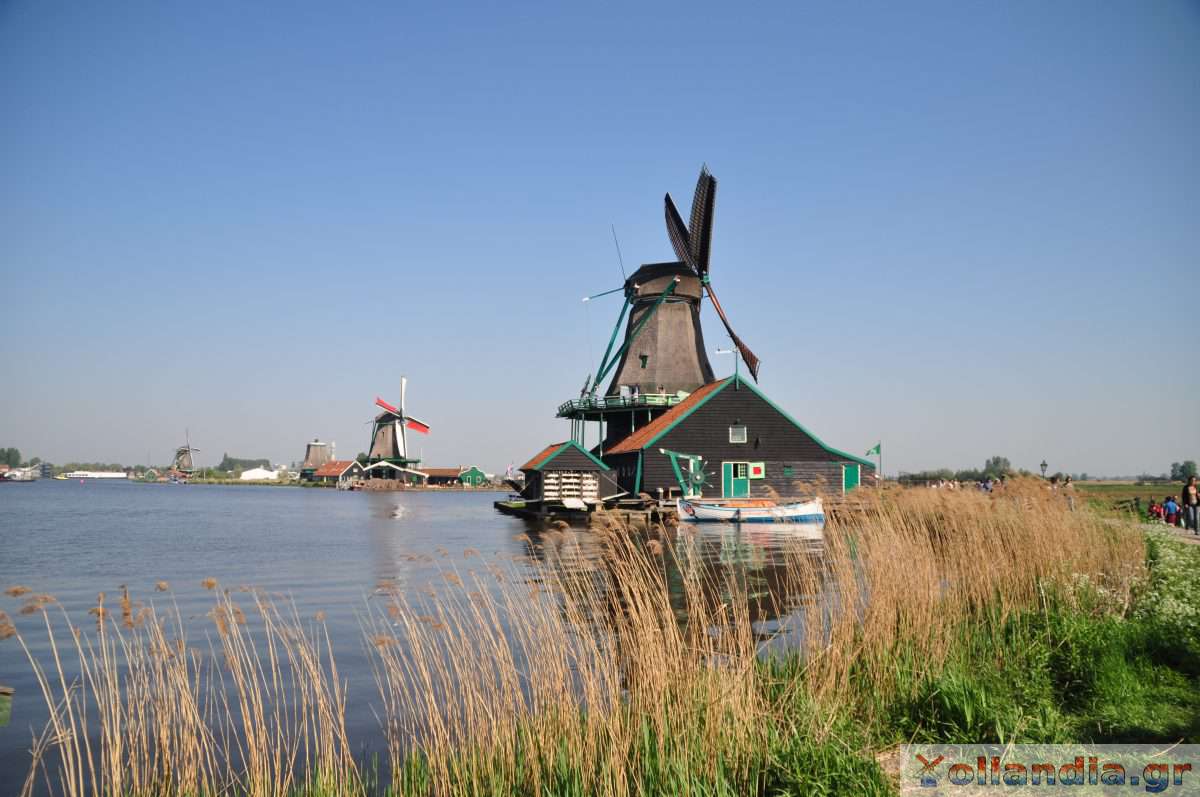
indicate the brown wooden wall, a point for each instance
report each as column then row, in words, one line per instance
column 771, row 439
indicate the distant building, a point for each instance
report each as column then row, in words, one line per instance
column 442, row 477
column 340, row 472
column 316, row 454
column 469, row 476
column 259, row 475
column 473, row 477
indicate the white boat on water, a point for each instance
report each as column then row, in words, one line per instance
column 92, row 474
column 749, row 511
column 30, row 474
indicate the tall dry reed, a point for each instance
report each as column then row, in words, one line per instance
column 501, row 677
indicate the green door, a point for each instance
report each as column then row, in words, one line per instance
column 850, row 476
column 735, row 479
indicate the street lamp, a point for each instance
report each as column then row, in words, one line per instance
column 735, row 364
column 1043, row 466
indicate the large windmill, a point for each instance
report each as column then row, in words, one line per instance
column 184, row 464
column 662, row 356
column 389, row 441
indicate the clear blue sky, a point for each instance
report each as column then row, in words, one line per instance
column 965, row 228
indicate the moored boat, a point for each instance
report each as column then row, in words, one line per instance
column 92, row 474
column 750, row 511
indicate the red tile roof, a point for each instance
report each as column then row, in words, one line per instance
column 444, row 473
column 334, row 467
column 542, row 455
column 642, row 437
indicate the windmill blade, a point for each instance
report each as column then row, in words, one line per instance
column 680, row 240
column 747, row 355
column 700, row 229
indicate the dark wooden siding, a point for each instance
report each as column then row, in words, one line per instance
column 574, row 460
column 770, row 438
column 571, row 459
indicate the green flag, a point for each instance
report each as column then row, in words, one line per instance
column 874, row 450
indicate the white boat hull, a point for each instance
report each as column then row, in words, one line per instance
column 704, row 512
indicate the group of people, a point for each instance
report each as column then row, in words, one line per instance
column 1184, row 512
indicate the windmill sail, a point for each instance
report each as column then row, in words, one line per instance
column 747, row 356
column 693, row 245
column 700, row 229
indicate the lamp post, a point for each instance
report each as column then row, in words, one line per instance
column 736, row 379
column 1043, row 466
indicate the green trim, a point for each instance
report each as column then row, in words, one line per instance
column 670, row 289
column 730, row 380
column 637, row 481
column 613, row 339
column 564, row 447
column 690, row 410
column 800, row 426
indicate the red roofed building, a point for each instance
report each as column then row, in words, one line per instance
column 340, row 472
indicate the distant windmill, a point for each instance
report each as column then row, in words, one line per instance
column 388, row 438
column 183, row 463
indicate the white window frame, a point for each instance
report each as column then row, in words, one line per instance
column 745, row 434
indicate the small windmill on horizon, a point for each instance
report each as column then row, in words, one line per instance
column 184, row 465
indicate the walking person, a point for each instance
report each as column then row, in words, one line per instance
column 1190, row 498
column 1170, row 510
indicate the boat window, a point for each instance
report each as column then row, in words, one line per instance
column 737, row 434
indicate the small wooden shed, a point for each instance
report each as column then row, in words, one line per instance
column 564, row 471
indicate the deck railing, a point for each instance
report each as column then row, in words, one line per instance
column 587, row 403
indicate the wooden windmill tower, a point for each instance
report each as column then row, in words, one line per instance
column 662, row 356
column 183, row 465
column 389, row 441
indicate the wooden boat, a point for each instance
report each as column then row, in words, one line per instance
column 749, row 511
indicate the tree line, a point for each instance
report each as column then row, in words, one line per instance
column 229, row 463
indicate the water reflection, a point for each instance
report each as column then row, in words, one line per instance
column 777, row 567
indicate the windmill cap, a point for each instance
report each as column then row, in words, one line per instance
column 653, row 278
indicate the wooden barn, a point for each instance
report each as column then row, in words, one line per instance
column 339, row 472
column 568, row 472
column 749, row 448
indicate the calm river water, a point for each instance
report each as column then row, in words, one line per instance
column 326, row 550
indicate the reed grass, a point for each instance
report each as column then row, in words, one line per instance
column 641, row 673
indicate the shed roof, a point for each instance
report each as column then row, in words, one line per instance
column 547, row 455
column 540, row 456
column 334, row 467
column 443, row 473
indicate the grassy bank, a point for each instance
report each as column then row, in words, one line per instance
column 932, row 616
